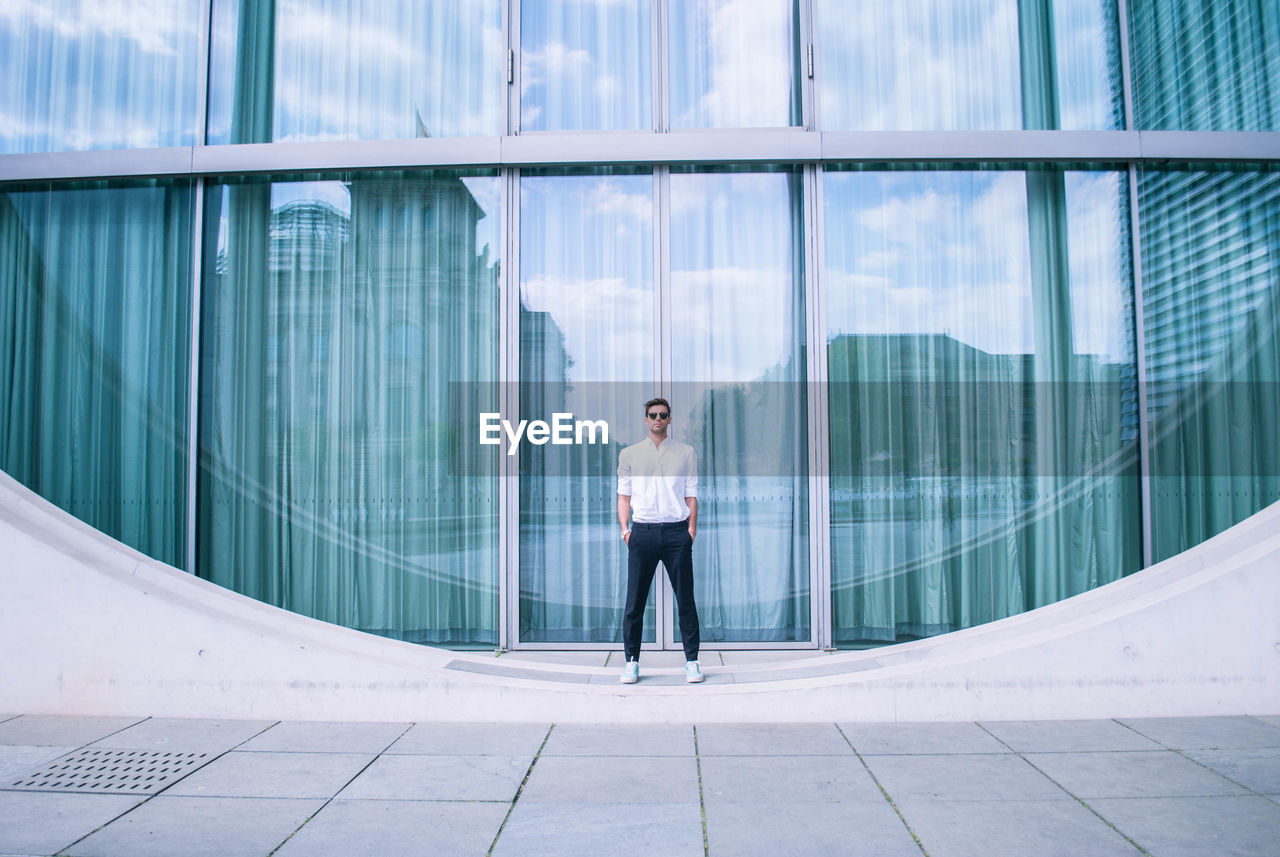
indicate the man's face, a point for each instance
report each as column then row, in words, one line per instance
column 657, row 418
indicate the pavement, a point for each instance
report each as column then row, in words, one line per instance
column 138, row 786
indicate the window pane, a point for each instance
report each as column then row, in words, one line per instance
column 586, row 348
column 95, row 285
column 1211, row 309
column 733, row 63
column 585, row 65
column 355, row 70
column 79, row 74
column 969, row 65
column 982, row 395
column 1206, row 65
column 738, row 363
column 343, row 317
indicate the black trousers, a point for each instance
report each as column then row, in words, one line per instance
column 671, row 544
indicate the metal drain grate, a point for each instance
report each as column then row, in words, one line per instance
column 111, row 771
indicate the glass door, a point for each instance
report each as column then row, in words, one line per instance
column 738, row 393
column 588, row 349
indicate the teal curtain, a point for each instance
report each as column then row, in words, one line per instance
column 1206, row 65
column 349, row 325
column 95, row 285
column 982, row 394
column 740, row 397
column 1211, row 310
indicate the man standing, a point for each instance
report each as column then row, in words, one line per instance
column 658, row 494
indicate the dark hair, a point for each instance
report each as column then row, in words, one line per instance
column 658, row 401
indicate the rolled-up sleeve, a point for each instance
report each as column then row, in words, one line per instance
column 624, row 473
column 691, row 475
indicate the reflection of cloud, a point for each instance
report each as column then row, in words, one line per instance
column 731, row 325
column 156, row 26
column 608, row 197
column 334, row 193
column 339, row 78
column 931, row 253
column 605, row 323
column 884, row 70
column 1100, row 311
column 748, row 63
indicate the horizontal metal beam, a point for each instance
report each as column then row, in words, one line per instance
column 646, row 148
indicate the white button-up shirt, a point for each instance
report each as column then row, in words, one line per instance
column 657, row 479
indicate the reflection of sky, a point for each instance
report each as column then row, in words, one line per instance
column 96, row 75
column 353, row 70
column 949, row 253
column 930, row 253
column 585, row 65
column 731, row 63
column 919, row 65
column 955, row 64
column 587, row 261
column 731, row 277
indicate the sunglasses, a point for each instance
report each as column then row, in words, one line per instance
column 658, row 415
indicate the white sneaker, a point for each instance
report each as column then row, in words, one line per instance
column 692, row 672
column 631, row 673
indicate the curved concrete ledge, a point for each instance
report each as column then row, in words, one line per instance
column 89, row 626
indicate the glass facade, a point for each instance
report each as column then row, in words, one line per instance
column 344, row 317
column 95, row 324
column 982, row 389
column 932, row 379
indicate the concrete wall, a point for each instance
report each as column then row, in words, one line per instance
column 88, row 626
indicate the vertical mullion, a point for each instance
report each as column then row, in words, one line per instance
column 1126, row 64
column 511, row 31
column 819, row 425
column 203, row 64
column 193, row 380
column 508, row 375
column 808, row 85
column 658, row 55
column 664, row 631
column 1140, row 347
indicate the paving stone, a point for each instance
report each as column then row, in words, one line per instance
column 38, row 823
column 769, row 829
column 607, row 740
column 60, row 731
column 472, row 739
column 439, row 778
column 1243, row 826
column 200, row 827
column 661, row 660
column 17, row 761
column 293, row 775
column 558, row 830
column 787, row 779
column 613, row 779
column 1207, row 733
column 1254, row 769
column 1159, row 773
column 1068, row 736
column 388, row 828
column 184, row 736
column 1045, row 828
column 934, row 738
column 960, row 777
column 306, row 737
column 772, row 739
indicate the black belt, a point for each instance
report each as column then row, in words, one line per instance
column 684, row 523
